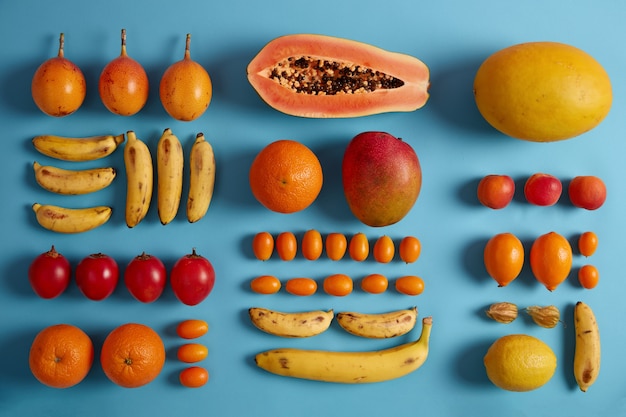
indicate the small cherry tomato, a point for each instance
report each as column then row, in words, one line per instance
column 192, row 352
column 49, row 274
column 336, row 245
column 588, row 276
column 301, row 286
column 193, row 377
column 286, row 245
column 338, row 285
column 145, row 277
column 410, row 249
column 192, row 328
column 265, row 284
column 312, row 245
column 97, row 276
column 263, row 246
column 587, row 243
column 359, row 247
column 410, row 285
column 384, row 249
column 374, row 283
column 192, row 278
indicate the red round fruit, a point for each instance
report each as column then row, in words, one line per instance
column 382, row 178
column 543, row 189
column 192, row 278
column 587, row 192
column 496, row 191
column 49, row 274
column 145, row 277
column 97, row 276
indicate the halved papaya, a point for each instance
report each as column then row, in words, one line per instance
column 321, row 76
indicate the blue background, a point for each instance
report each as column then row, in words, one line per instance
column 456, row 148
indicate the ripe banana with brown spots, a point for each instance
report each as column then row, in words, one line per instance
column 77, row 148
column 587, row 350
column 201, row 178
column 349, row 367
column 73, row 182
column 71, row 220
column 139, row 179
column 170, row 162
column 378, row 326
column 300, row 324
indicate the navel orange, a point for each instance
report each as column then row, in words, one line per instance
column 286, row 176
column 61, row 356
column 132, row 355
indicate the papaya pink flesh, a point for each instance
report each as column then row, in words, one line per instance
column 411, row 96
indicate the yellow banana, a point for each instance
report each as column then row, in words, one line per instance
column 587, row 351
column 170, row 161
column 71, row 220
column 301, row 324
column 73, row 182
column 139, row 179
column 378, row 326
column 201, row 178
column 349, row 367
column 77, row 149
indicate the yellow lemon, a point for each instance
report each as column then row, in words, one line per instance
column 519, row 362
column 542, row 91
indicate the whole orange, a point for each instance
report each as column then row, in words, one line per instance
column 504, row 258
column 551, row 259
column 132, row 355
column 61, row 356
column 286, row 176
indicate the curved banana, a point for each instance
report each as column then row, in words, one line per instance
column 139, row 179
column 349, row 367
column 587, row 351
column 378, row 326
column 201, row 178
column 77, row 149
column 71, row 220
column 302, row 324
column 73, row 182
column 170, row 161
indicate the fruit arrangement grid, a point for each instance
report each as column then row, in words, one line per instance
column 419, row 244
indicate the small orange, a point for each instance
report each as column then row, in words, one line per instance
column 359, row 247
column 587, row 243
column 588, row 276
column 192, row 328
column 192, row 352
column 312, row 245
column 374, row 283
column 410, row 249
column 301, row 286
column 504, row 258
column 336, row 245
column 410, row 285
column 384, row 249
column 286, row 246
column 61, row 356
column 265, row 284
column 193, row 377
column 132, row 355
column 263, row 246
column 338, row 285
column 551, row 259
column 286, row 176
